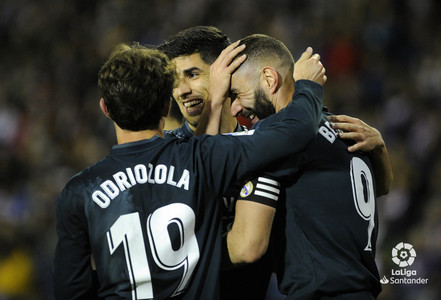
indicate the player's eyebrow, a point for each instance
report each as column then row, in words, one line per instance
column 189, row 70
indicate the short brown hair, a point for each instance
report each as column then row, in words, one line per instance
column 136, row 83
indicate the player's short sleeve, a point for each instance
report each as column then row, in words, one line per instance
column 264, row 190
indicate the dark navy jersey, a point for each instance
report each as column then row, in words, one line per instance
column 325, row 233
column 149, row 212
column 185, row 132
column 248, row 281
column 230, row 196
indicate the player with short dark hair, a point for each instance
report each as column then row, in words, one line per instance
column 147, row 216
column 193, row 51
column 325, row 230
column 208, row 41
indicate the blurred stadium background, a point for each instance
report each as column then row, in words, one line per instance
column 383, row 61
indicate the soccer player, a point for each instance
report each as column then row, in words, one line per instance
column 325, row 229
column 193, row 51
column 149, row 212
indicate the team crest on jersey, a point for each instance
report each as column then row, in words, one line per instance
column 246, row 189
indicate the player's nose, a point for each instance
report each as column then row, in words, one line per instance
column 236, row 108
column 182, row 88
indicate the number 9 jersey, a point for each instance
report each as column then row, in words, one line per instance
column 325, row 232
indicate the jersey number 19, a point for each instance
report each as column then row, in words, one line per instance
column 169, row 254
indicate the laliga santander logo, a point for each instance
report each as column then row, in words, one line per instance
column 403, row 255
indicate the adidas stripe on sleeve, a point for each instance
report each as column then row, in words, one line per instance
column 263, row 190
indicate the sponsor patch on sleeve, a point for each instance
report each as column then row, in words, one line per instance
column 247, row 189
column 263, row 190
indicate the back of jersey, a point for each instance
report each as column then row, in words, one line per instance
column 147, row 212
column 326, row 231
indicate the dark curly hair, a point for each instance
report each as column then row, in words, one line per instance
column 136, row 83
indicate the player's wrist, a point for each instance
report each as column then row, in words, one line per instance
column 216, row 102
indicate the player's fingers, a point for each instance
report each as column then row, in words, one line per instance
column 316, row 56
column 236, row 63
column 231, row 46
column 354, row 147
column 350, row 136
column 342, row 118
column 229, row 56
column 346, row 127
column 360, row 145
column 305, row 55
column 224, row 54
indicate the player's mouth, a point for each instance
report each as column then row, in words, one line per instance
column 193, row 107
column 248, row 113
column 254, row 119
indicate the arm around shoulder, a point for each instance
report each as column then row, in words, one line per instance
column 382, row 169
column 368, row 139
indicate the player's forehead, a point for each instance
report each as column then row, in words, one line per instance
column 193, row 61
column 243, row 83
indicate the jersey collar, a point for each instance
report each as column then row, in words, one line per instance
column 136, row 146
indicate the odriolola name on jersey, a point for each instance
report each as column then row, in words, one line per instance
column 140, row 174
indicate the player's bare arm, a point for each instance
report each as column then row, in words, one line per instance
column 249, row 237
column 367, row 139
column 212, row 117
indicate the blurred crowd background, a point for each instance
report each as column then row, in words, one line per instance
column 383, row 61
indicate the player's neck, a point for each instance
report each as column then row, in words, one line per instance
column 126, row 136
column 282, row 101
column 192, row 127
column 285, row 99
column 283, row 96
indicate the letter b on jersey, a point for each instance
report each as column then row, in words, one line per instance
column 327, row 133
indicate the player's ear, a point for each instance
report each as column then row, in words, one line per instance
column 103, row 108
column 270, row 79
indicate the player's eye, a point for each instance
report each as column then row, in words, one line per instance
column 193, row 74
column 233, row 96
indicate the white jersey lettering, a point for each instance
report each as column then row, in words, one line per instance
column 140, row 174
